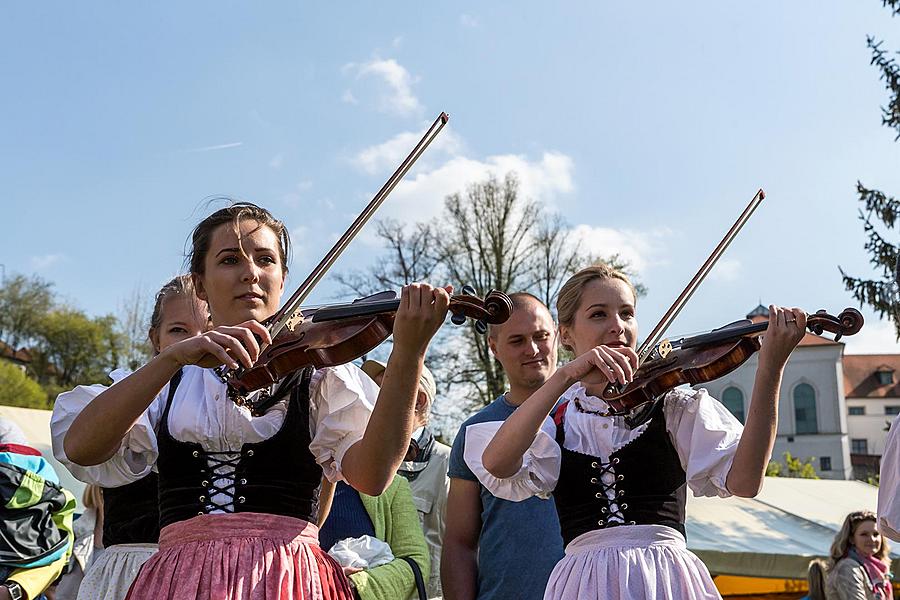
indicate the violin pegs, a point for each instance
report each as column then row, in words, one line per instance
column 468, row 290
column 458, row 319
column 481, row 327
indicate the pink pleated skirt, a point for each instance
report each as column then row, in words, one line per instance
column 240, row 556
column 631, row 562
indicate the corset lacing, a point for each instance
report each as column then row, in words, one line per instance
column 607, row 480
column 219, row 481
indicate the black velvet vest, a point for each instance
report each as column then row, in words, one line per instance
column 131, row 513
column 275, row 476
column 645, row 475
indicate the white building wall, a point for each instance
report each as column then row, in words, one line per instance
column 871, row 426
column 820, row 367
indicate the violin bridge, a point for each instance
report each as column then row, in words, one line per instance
column 296, row 319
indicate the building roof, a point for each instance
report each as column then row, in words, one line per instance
column 860, row 380
column 22, row 355
column 776, row 533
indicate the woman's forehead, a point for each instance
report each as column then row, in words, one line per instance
column 248, row 234
column 610, row 291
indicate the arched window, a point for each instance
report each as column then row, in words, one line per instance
column 733, row 399
column 805, row 409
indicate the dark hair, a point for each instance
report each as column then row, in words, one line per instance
column 519, row 300
column 234, row 214
column 815, row 578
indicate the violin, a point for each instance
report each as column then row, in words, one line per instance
column 334, row 335
column 702, row 358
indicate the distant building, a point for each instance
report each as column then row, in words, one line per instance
column 21, row 358
column 812, row 421
column 872, row 390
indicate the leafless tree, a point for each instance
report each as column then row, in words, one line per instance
column 488, row 237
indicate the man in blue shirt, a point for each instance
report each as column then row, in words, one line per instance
column 495, row 549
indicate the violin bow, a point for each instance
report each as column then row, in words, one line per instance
column 290, row 313
column 656, row 335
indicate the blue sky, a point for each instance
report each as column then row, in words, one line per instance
column 648, row 125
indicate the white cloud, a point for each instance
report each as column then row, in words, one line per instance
column 876, row 337
column 639, row 248
column 39, row 263
column 348, row 98
column 397, row 42
column 421, row 196
column 216, row 147
column 468, row 21
column 277, row 161
column 296, row 196
column 396, row 95
column 387, row 155
column 727, row 269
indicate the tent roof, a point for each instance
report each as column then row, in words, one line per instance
column 778, row 532
column 35, row 425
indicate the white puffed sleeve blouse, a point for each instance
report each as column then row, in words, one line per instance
column 705, row 435
column 889, row 485
column 341, row 401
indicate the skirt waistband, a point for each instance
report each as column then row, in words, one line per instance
column 630, row 536
column 238, row 525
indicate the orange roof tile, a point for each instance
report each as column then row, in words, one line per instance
column 859, row 375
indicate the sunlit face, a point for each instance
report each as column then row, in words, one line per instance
column 244, row 276
column 526, row 346
column 605, row 316
column 182, row 316
column 866, row 538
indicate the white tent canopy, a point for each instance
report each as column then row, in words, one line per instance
column 35, row 424
column 778, row 532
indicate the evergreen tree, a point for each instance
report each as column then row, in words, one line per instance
column 880, row 211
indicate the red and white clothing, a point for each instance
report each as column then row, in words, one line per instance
column 620, row 492
column 334, row 410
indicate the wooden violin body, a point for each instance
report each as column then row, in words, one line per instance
column 336, row 335
column 707, row 357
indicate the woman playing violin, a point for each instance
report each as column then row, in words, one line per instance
column 620, row 492
column 238, row 491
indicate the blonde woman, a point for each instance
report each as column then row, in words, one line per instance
column 620, row 492
column 127, row 513
column 861, row 568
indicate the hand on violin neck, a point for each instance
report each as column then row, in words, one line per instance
column 232, row 346
column 421, row 313
column 786, row 329
column 603, row 365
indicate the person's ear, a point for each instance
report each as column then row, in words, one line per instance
column 492, row 345
column 199, row 290
column 421, row 401
column 565, row 337
column 153, row 334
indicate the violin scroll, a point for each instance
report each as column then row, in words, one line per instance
column 848, row 322
column 494, row 309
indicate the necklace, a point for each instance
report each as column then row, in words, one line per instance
column 587, row 411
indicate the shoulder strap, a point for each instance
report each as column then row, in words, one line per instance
column 559, row 417
column 417, row 573
column 173, row 385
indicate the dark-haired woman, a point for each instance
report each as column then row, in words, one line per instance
column 620, row 492
column 237, row 491
column 130, row 507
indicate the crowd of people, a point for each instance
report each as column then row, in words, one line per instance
column 338, row 489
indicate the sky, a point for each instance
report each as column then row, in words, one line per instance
column 647, row 126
